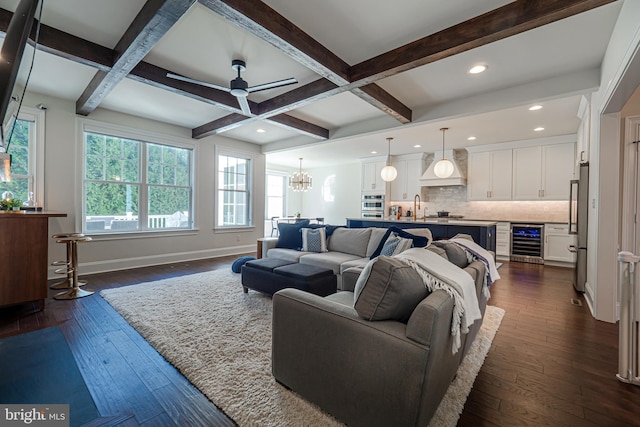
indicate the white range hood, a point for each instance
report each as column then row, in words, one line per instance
column 429, row 178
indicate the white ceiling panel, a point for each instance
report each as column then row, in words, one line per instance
column 338, row 110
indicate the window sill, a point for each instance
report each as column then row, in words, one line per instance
column 142, row 234
column 234, row 229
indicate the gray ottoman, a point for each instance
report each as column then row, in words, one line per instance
column 269, row 275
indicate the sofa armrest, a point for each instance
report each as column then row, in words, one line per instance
column 350, row 277
column 325, row 352
column 267, row 243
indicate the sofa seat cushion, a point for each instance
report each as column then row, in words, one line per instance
column 388, row 289
column 331, row 260
column 286, row 254
column 344, row 298
column 360, row 262
column 353, row 241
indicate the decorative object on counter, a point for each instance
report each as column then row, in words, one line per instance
column 9, row 202
column 442, row 214
column 388, row 173
column 444, row 167
column 300, row 181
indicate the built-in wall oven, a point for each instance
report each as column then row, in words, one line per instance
column 527, row 243
column 372, row 206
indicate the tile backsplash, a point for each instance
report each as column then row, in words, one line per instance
column 454, row 200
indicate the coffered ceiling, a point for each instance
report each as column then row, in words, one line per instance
column 366, row 69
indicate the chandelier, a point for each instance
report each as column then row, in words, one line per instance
column 300, row 181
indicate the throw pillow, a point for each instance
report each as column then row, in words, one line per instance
column 418, row 241
column 395, row 245
column 236, row 266
column 314, row 240
column 388, row 289
column 289, row 235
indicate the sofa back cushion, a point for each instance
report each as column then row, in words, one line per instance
column 388, row 289
column 376, row 236
column 352, row 241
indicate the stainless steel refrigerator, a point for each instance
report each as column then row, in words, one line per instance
column 578, row 219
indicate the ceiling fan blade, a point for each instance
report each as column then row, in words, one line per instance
column 244, row 104
column 198, row 82
column 272, row 85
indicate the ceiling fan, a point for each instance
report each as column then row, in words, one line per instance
column 238, row 87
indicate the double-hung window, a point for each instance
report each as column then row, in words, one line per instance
column 234, row 190
column 26, row 149
column 133, row 185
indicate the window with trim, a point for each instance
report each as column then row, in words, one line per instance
column 276, row 194
column 135, row 186
column 25, row 144
column 234, row 190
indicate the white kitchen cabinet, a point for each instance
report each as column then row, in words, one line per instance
column 407, row 183
column 371, row 179
column 503, row 240
column 543, row 172
column 489, row 175
column 556, row 243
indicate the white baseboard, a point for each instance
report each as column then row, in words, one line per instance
column 149, row 261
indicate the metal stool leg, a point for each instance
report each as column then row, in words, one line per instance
column 68, row 282
column 75, row 291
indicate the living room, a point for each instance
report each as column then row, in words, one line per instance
column 136, row 110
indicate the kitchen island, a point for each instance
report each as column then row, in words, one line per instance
column 482, row 232
column 23, row 256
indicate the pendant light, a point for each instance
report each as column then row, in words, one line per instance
column 388, row 173
column 444, row 167
column 300, row 181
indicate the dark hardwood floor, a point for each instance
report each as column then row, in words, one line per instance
column 551, row 363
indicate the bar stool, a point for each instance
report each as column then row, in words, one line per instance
column 67, row 283
column 75, row 291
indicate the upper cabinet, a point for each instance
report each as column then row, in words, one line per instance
column 371, row 179
column 543, row 172
column 407, row 183
column 489, row 175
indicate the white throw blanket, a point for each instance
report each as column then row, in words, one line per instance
column 476, row 252
column 439, row 273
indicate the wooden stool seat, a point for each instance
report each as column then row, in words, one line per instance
column 72, row 282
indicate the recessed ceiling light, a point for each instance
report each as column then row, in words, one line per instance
column 477, row 69
column 538, row 129
column 374, row 152
column 471, row 138
column 535, row 107
column 417, row 146
column 261, row 130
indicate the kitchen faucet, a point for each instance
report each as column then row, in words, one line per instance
column 414, row 206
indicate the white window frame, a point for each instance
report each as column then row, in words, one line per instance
column 224, row 151
column 92, row 126
column 36, row 151
column 285, row 196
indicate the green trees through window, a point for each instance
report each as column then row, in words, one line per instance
column 21, row 175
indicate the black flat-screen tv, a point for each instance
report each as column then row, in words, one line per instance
column 10, row 58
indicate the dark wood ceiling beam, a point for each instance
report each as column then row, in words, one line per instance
column 265, row 23
column 511, row 19
column 293, row 123
column 65, row 45
column 152, row 22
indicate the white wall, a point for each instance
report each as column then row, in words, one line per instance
column 63, row 166
column 605, row 158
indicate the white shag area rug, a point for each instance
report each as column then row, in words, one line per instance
column 220, row 339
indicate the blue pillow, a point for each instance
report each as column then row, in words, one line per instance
column 418, row 241
column 236, row 267
column 290, row 235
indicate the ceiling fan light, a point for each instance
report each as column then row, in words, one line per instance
column 443, row 169
column 239, row 92
column 388, row 173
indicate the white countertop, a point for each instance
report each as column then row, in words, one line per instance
column 443, row 221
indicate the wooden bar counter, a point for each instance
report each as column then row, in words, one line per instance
column 24, row 238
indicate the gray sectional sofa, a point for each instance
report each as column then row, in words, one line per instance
column 347, row 247
column 371, row 373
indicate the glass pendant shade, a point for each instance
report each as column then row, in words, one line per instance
column 443, row 169
column 388, row 173
column 300, row 181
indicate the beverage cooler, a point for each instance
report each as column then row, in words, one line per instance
column 527, row 243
